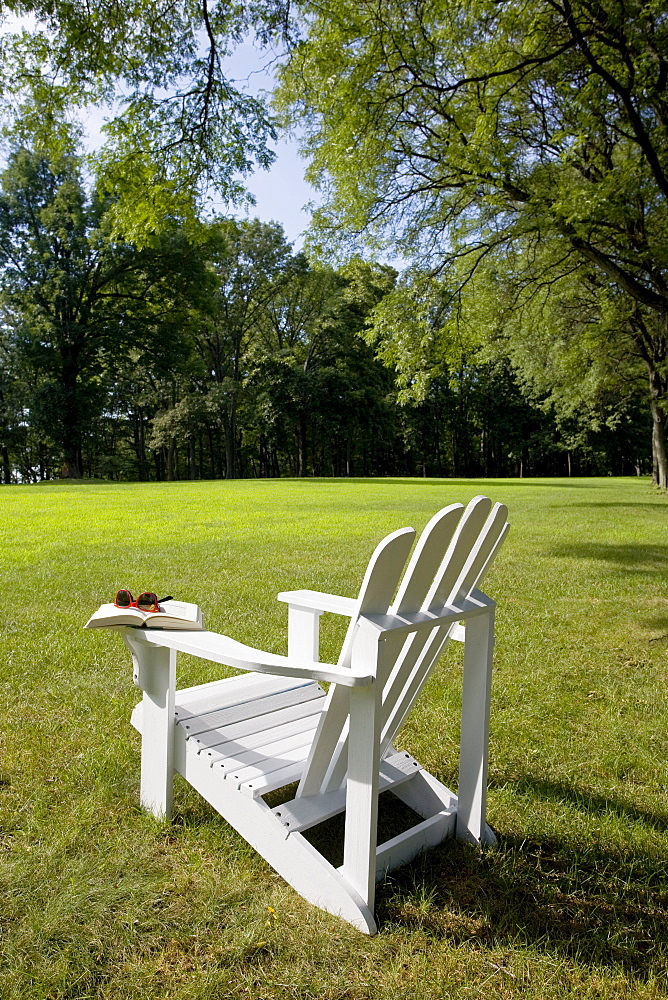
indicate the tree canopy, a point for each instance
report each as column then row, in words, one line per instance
column 176, row 125
column 232, row 355
column 462, row 133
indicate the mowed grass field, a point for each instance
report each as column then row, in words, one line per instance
column 98, row 900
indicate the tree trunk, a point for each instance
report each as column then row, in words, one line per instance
column 652, row 347
column 140, row 443
column 70, row 421
column 6, row 465
column 659, row 455
column 301, row 444
column 192, row 462
column 231, row 442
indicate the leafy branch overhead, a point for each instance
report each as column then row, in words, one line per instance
column 176, row 122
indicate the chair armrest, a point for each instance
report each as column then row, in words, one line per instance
column 222, row 649
column 313, row 600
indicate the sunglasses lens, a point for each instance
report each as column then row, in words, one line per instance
column 147, row 602
column 123, row 599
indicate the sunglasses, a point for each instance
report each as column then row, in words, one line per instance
column 145, row 602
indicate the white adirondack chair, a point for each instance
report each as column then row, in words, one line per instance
column 237, row 739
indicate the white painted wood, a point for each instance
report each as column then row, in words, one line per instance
column 313, row 599
column 257, row 763
column 283, row 750
column 231, row 691
column 222, row 649
column 294, row 858
column 424, row 656
column 359, row 852
column 465, row 537
column 379, row 583
column 477, row 559
column 404, row 847
column 426, row 795
column 237, row 739
column 413, row 666
column 331, row 731
column 269, row 782
column 303, row 634
column 377, row 589
column 265, row 706
column 216, row 743
column 426, row 559
column 424, row 621
column 253, row 732
column 492, row 555
column 307, row 811
column 474, row 739
column 156, row 669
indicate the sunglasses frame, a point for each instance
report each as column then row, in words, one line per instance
column 155, row 604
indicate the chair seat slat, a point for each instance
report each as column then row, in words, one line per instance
column 265, row 756
column 224, row 748
column 229, row 691
column 293, row 715
column 267, row 705
column 308, row 811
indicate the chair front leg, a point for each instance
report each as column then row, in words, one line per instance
column 474, row 741
column 155, row 673
column 361, row 829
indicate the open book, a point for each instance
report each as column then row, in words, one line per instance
column 172, row 614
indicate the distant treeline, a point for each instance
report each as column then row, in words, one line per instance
column 224, row 354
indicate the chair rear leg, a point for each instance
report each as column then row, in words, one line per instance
column 476, row 693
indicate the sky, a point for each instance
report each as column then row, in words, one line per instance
column 281, row 193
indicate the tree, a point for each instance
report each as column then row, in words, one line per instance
column 76, row 303
column 247, row 260
column 464, row 131
column 177, row 123
column 313, row 371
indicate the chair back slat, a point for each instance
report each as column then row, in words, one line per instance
column 426, row 559
column 477, row 540
column 454, row 552
column 424, row 563
column 377, row 590
column 465, row 537
column 484, row 548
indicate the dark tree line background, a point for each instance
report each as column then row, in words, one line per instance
column 217, row 351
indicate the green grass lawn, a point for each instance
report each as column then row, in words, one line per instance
column 100, row 900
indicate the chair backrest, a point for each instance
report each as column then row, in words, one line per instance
column 451, row 558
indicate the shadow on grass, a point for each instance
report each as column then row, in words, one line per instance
column 578, row 901
column 589, row 802
column 500, row 483
column 657, row 505
column 646, row 559
column 604, row 908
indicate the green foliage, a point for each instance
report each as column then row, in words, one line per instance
column 98, row 900
column 503, row 137
column 77, row 304
column 221, row 353
column 177, row 123
column 461, row 127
